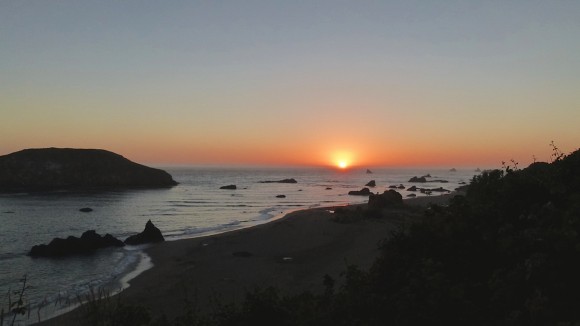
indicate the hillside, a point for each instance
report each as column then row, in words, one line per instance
column 66, row 168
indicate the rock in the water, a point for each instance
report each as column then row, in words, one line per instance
column 230, row 187
column 388, row 198
column 362, row 192
column 150, row 234
column 291, row 180
column 393, row 187
column 371, row 183
column 401, row 187
column 418, row 179
column 65, row 168
column 86, row 244
column 369, row 171
column 411, row 195
column 86, row 209
column 413, row 188
column 328, row 188
column 427, row 176
column 453, row 170
column 281, row 196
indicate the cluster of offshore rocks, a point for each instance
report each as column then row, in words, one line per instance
column 90, row 241
column 234, row 187
column 423, row 179
column 290, row 180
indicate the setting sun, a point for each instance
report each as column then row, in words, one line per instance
column 342, row 164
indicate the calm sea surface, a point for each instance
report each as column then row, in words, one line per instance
column 194, row 208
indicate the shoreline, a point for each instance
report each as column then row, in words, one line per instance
column 293, row 251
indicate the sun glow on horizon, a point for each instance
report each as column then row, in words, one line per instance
column 342, row 160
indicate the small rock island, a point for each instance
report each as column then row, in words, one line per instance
column 48, row 169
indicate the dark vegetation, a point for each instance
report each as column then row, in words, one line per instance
column 506, row 253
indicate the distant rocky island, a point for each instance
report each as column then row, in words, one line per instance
column 71, row 169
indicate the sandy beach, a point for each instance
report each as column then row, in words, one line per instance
column 293, row 253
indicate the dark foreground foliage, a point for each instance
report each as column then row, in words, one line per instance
column 506, row 253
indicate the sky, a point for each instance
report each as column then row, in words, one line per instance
column 372, row 83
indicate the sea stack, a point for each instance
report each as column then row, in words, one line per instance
column 150, row 234
column 73, row 169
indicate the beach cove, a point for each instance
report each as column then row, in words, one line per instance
column 197, row 207
column 293, row 254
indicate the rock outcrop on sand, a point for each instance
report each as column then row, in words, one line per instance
column 66, row 168
column 291, row 180
column 229, row 187
column 389, row 198
column 150, row 234
column 86, row 244
column 362, row 192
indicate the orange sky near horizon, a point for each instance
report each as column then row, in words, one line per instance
column 389, row 83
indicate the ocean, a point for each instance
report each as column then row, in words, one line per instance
column 194, row 208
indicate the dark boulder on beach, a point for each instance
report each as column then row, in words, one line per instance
column 389, row 198
column 291, row 180
column 86, row 244
column 281, row 196
column 150, row 234
column 86, row 210
column 229, row 187
column 418, row 179
column 72, row 169
column 362, row 192
column 371, row 183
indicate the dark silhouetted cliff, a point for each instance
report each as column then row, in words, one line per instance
column 66, row 168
